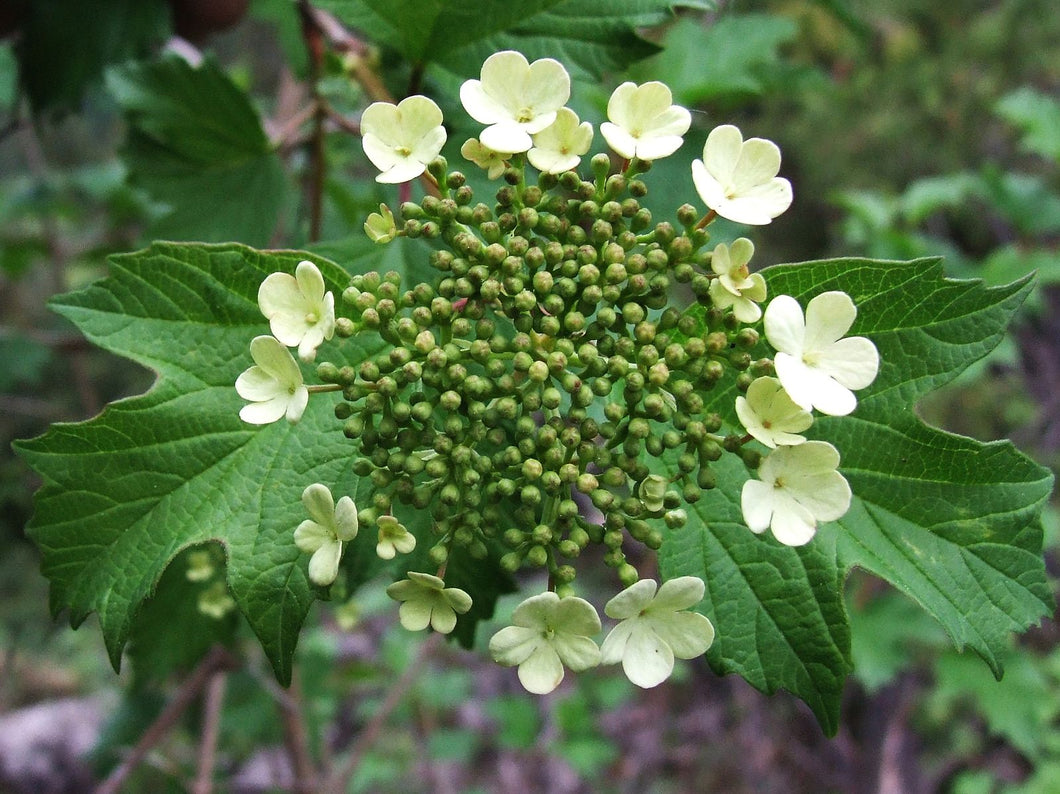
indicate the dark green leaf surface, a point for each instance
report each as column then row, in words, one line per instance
column 196, row 144
column 125, row 492
column 950, row 521
column 591, row 37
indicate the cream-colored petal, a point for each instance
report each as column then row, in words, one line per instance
column 614, row 645
column 828, row 317
column 346, row 523
column 415, row 614
column 620, row 141
column 258, row 385
column 648, row 661
column 513, row 644
column 576, row 616
column 324, row 564
column 320, row 504
column 759, row 162
column 756, row 504
column 576, row 651
column 792, row 524
column 541, row 671
column 721, row 153
column 679, row 593
column 784, row 326
column 443, row 618
column 310, row 282
column 707, row 186
column 296, row 405
column 263, row 413
column 310, row 536
column 689, row 634
column 536, row 611
column 632, row 600
column 853, row 361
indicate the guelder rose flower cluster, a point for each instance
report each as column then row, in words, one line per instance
column 553, row 301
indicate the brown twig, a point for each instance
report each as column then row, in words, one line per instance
column 295, row 739
column 338, row 782
column 211, row 721
column 219, row 658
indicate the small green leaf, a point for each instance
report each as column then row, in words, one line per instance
column 196, row 145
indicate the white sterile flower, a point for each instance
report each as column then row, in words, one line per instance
column 493, row 162
column 200, row 565
column 516, row 98
column 380, row 226
column 548, row 632
column 299, row 311
column 322, row 534
column 797, row 487
column 273, row 385
column 644, row 122
column 426, row 601
column 770, row 415
column 818, row 367
column 738, row 179
column 655, row 630
column 735, row 285
column 560, row 146
column 393, row 538
column 402, row 139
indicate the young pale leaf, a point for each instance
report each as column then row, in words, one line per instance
column 950, row 521
column 126, row 492
column 196, row 143
column 590, row 36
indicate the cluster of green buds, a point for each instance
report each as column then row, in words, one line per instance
column 525, row 391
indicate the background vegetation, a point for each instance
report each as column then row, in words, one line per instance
column 909, row 128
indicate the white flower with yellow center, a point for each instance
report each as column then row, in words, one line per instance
column 770, row 415
column 560, row 146
column 323, row 534
column 655, row 629
column 738, row 179
column 644, row 122
column 426, row 601
column 273, row 385
column 300, row 312
column 393, row 538
column 817, row 366
column 402, row 139
column 548, row 632
column 515, row 98
column 796, row 488
column 736, row 285
column 491, row 161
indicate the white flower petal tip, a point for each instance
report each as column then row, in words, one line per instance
column 797, row 487
column 738, row 179
column 770, row 415
column 515, row 98
column 643, row 122
column 817, row 366
column 560, row 146
column 426, row 601
column 273, row 386
column 655, row 629
column 300, row 312
column 402, row 139
column 548, row 632
column 323, row 534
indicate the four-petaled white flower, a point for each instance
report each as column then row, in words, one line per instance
column 299, row 311
column 322, row 534
column 548, row 632
column 818, row 368
column 769, row 414
column 515, row 98
column 426, row 601
column 735, row 285
column 380, row 226
column 655, row 630
column 738, row 179
column 560, row 146
column 490, row 160
column 273, row 385
column 644, row 121
column 393, row 538
column 402, row 139
column 797, row 487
